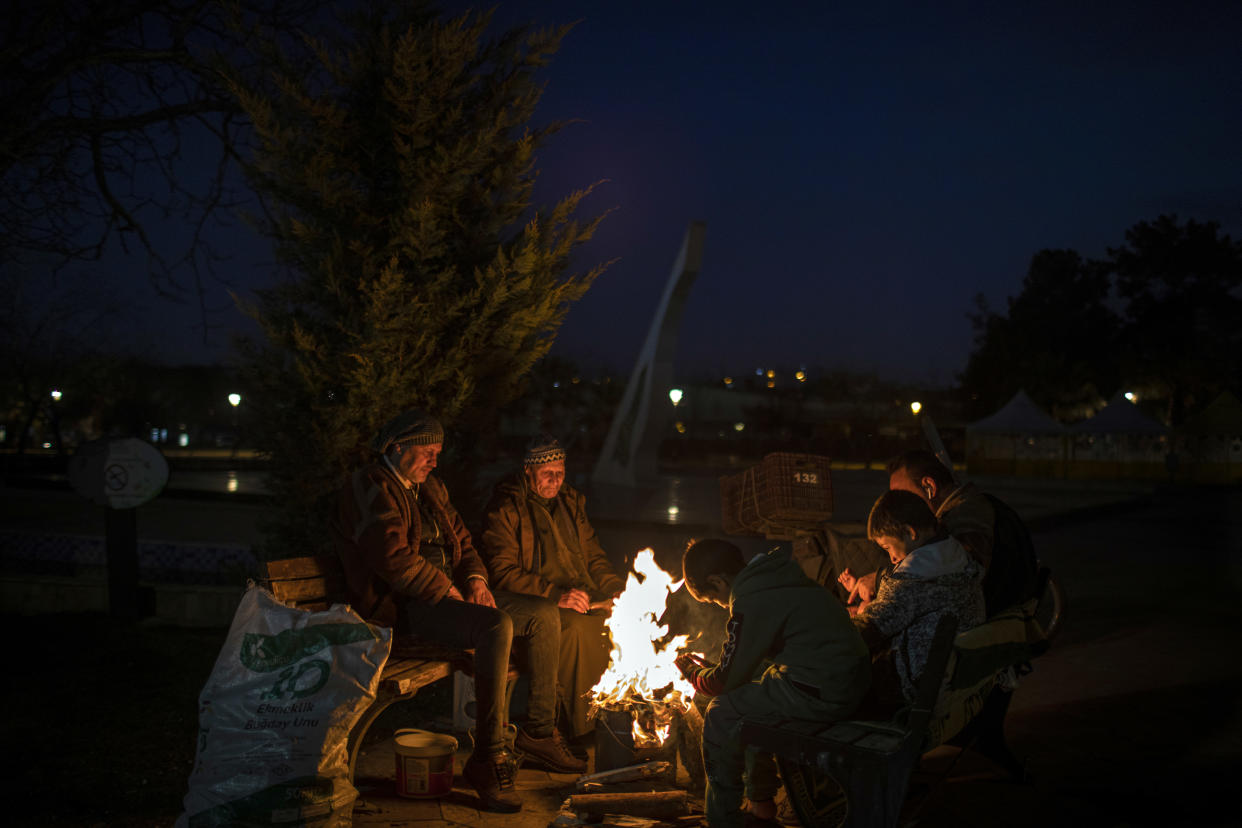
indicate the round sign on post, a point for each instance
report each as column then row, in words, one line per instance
column 118, row 472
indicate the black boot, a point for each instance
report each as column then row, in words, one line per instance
column 492, row 776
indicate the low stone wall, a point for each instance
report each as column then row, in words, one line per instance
column 184, row 605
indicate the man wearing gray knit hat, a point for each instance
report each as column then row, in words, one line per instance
column 410, row 564
column 538, row 541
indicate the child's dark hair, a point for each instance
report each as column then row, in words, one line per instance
column 710, row 556
column 896, row 511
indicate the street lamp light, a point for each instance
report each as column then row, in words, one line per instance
column 675, row 395
column 235, row 400
column 56, row 395
column 916, row 407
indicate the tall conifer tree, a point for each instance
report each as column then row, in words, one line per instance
column 397, row 179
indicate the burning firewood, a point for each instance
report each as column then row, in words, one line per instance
column 642, row 677
column 632, row 773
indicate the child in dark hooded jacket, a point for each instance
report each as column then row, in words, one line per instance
column 818, row 670
column 931, row 575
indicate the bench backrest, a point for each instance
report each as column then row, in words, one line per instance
column 310, row 583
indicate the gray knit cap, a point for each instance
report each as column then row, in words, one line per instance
column 412, row 427
column 543, row 449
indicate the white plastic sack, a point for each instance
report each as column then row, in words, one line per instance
column 275, row 715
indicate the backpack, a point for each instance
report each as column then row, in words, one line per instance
column 1011, row 577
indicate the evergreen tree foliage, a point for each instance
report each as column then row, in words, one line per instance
column 398, row 182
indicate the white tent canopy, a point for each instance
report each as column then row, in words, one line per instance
column 1120, row 416
column 1222, row 417
column 1018, row 416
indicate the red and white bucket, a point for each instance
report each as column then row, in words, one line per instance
column 424, row 763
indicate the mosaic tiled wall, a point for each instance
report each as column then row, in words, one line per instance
column 86, row 556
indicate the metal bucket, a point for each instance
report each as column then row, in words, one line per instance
column 614, row 742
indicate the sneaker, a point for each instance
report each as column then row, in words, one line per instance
column 492, row 777
column 551, row 751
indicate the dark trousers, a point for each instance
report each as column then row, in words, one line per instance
column 533, row 621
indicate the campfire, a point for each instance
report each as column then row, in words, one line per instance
column 642, row 678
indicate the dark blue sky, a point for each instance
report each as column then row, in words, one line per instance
column 865, row 169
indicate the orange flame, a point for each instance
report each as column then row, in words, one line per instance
column 639, row 666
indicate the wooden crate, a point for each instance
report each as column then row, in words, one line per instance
column 785, row 495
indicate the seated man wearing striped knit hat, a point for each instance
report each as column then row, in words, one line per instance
column 537, row 540
column 410, row 564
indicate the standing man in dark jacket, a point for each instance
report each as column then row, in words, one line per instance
column 537, row 541
column 410, row 564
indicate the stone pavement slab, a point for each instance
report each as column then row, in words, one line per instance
column 542, row 795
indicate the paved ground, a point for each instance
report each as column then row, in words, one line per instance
column 1132, row 719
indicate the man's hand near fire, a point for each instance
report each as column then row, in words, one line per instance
column 604, row 607
column 576, row 600
column 478, row 593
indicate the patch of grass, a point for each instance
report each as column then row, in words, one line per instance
column 101, row 718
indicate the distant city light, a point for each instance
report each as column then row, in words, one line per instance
column 183, row 439
column 758, row 372
column 739, row 426
column 47, row 445
column 56, row 395
column 556, row 384
column 771, row 374
column 675, row 395
column 576, row 380
column 234, row 400
column 673, row 512
column 771, row 383
column 1131, row 396
column 681, row 427
column 916, row 407
column 800, row 376
column 728, row 380
column 231, row 485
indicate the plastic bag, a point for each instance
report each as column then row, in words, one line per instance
column 275, row 716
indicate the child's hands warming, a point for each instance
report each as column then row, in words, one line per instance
column 690, row 664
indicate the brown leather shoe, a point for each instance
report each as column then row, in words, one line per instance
column 551, row 752
column 492, row 777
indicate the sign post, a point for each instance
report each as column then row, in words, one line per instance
column 120, row 474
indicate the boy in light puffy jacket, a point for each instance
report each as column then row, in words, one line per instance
column 931, row 575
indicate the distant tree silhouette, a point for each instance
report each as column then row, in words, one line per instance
column 1058, row 340
column 1183, row 310
column 114, row 122
column 397, row 179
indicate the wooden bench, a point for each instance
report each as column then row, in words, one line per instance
column 857, row 773
column 315, row 583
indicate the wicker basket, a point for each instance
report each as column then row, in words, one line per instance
column 786, row 495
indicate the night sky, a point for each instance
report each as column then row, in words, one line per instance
column 864, row 169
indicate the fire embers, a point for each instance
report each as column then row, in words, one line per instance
column 642, row 678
